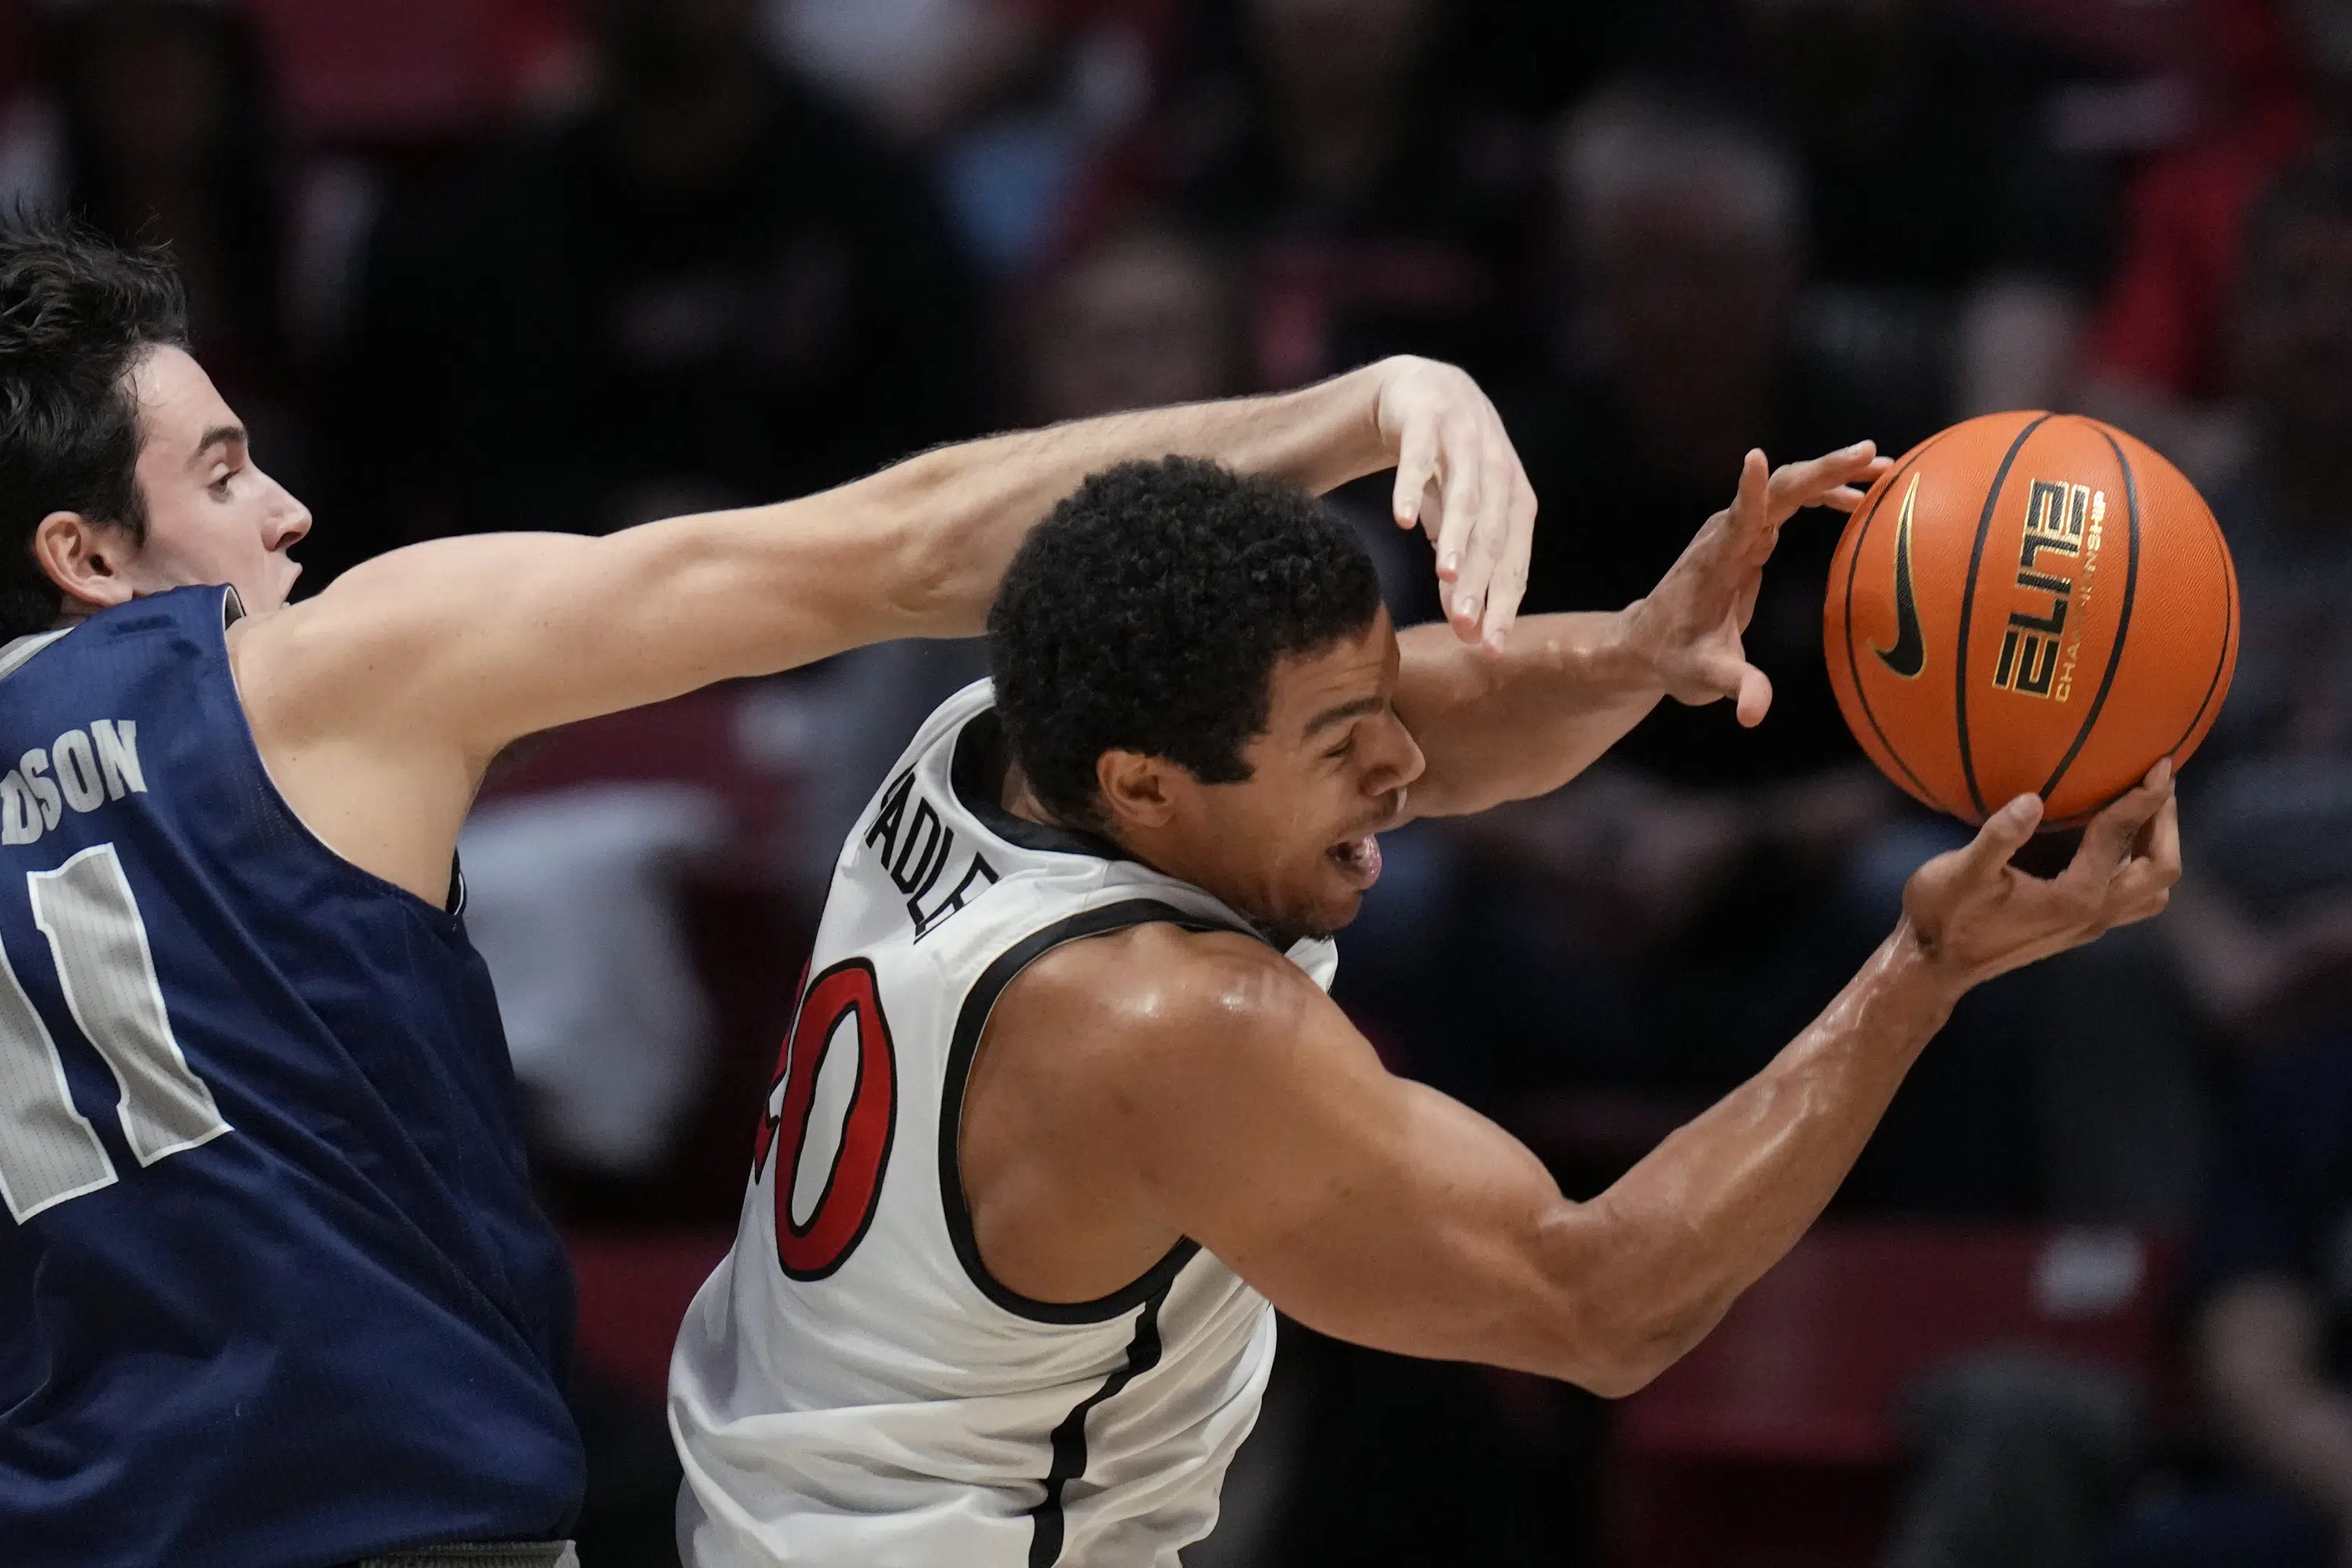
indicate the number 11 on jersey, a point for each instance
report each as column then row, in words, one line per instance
column 106, row 970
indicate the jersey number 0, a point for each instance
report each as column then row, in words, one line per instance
column 48, row 1152
column 832, row 1128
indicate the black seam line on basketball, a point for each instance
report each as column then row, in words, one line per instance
column 1852, row 662
column 856, row 1092
column 2123, row 617
column 1969, row 604
column 970, row 1021
column 2221, row 659
column 1069, row 1439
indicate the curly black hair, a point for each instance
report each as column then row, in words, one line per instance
column 77, row 312
column 1148, row 612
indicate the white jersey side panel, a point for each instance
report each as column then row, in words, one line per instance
column 851, row 1386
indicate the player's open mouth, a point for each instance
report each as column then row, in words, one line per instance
column 1358, row 859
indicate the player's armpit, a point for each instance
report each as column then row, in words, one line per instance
column 377, row 705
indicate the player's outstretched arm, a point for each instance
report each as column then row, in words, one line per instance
column 1567, row 688
column 1380, row 1211
column 502, row 635
column 378, row 704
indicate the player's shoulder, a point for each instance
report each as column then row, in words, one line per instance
column 321, row 661
column 1148, row 989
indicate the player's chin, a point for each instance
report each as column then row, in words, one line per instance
column 1334, row 906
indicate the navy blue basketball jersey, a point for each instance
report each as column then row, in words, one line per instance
column 274, row 1292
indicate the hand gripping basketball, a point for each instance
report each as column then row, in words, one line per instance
column 2029, row 602
column 1976, row 915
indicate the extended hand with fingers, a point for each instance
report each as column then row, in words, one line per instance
column 1690, row 626
column 1459, row 477
column 1975, row 915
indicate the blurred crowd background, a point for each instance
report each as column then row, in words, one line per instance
column 576, row 264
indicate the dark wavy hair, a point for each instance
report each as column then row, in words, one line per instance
column 77, row 312
column 1147, row 615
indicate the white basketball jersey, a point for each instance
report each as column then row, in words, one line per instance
column 852, row 1387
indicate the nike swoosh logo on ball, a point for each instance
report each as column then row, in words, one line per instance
column 1908, row 657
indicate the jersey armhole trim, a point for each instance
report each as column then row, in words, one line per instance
column 971, row 1020
column 449, row 914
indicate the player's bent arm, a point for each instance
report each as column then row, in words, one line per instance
column 1380, row 1211
column 1564, row 688
column 1497, row 726
column 1248, row 1114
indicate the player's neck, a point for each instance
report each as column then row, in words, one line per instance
column 1017, row 796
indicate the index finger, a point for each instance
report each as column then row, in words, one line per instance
column 1750, row 509
column 1460, row 485
column 2163, row 851
column 1796, row 486
column 2108, row 840
column 1416, row 466
column 2145, row 884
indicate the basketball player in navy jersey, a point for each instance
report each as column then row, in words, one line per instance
column 273, row 1292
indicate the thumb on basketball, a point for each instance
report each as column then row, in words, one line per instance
column 2004, row 832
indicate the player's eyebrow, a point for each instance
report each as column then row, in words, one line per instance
column 1343, row 713
column 218, row 436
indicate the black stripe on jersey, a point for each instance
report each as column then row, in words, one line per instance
column 1070, row 1437
column 974, row 1018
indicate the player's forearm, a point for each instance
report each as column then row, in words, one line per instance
column 1510, row 727
column 1653, row 1263
column 952, row 517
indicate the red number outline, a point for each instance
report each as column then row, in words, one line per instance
column 853, row 1187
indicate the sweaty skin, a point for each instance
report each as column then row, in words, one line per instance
column 378, row 705
column 1150, row 1085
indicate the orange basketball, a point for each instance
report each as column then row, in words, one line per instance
column 2030, row 603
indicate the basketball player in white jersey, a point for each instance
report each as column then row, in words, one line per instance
column 1065, row 1105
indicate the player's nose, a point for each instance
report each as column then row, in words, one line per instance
column 1400, row 762
column 290, row 520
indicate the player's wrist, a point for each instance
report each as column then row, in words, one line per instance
column 1634, row 653
column 1913, row 964
column 1327, row 434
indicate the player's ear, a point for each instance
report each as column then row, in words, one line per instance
column 1135, row 788
column 85, row 559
